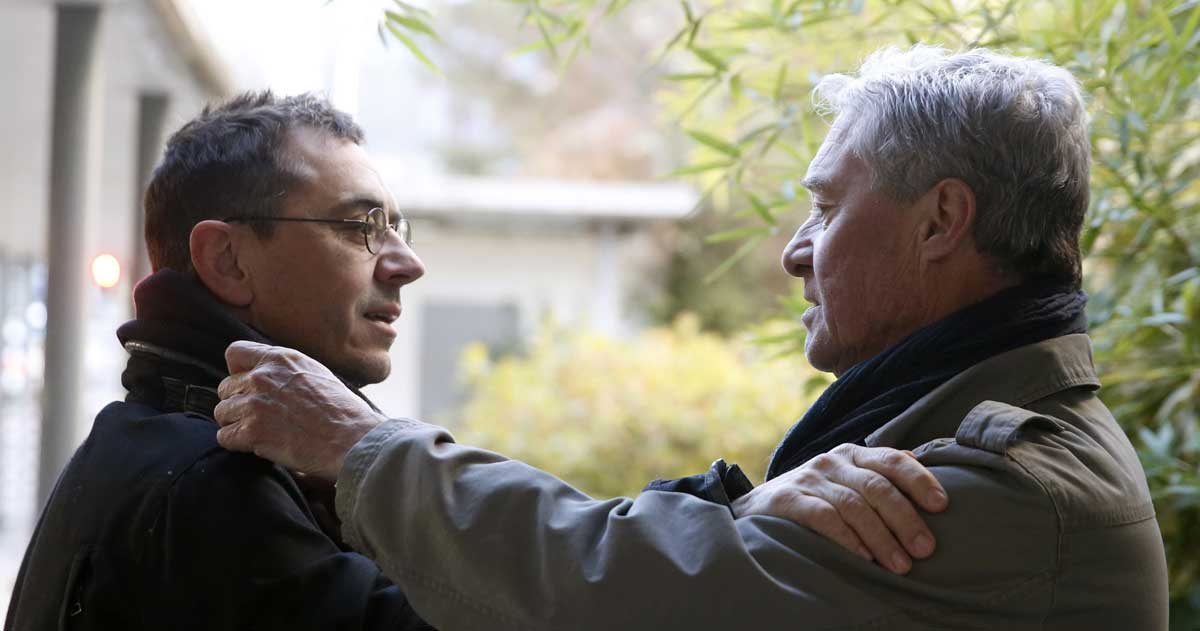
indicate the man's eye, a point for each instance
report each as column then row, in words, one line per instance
column 821, row 215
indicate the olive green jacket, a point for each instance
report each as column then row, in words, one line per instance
column 1050, row 526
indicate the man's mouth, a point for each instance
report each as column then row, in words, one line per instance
column 386, row 315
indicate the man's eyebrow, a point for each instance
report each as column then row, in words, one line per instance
column 817, row 184
column 364, row 204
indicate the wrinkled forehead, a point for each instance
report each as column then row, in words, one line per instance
column 833, row 155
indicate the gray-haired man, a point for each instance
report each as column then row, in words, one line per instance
column 942, row 261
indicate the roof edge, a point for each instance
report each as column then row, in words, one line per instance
column 198, row 51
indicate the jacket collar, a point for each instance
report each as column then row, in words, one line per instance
column 1018, row 377
column 177, row 342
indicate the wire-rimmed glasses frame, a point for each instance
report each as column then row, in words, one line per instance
column 374, row 228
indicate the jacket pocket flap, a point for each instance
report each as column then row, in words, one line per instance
column 995, row 426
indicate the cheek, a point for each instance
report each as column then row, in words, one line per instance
column 852, row 280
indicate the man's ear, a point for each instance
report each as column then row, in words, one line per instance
column 214, row 249
column 950, row 218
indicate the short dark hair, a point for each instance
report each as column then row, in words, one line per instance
column 230, row 161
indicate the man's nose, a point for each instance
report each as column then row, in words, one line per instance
column 398, row 264
column 797, row 256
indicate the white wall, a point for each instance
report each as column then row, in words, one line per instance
column 561, row 271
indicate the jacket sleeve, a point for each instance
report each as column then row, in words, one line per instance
column 238, row 548
column 480, row 541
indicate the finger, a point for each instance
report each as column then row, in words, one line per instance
column 230, row 386
column 906, row 473
column 231, row 411
column 235, row 438
column 867, row 524
column 896, row 511
column 820, row 516
column 243, row 355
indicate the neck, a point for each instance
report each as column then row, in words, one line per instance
column 959, row 283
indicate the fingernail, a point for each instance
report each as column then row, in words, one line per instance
column 923, row 545
column 865, row 553
column 937, row 498
column 900, row 563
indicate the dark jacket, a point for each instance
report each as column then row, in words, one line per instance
column 153, row 525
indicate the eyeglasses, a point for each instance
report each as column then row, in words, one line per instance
column 374, row 228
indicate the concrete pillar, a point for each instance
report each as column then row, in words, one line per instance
column 152, row 112
column 71, row 175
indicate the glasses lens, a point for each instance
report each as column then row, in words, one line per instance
column 404, row 229
column 377, row 217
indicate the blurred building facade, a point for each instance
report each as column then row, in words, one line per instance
column 89, row 88
column 93, row 88
column 503, row 255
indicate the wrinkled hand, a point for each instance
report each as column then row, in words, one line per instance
column 861, row 498
column 286, row 407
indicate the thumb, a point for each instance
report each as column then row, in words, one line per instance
column 244, row 355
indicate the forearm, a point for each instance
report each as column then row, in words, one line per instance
column 479, row 541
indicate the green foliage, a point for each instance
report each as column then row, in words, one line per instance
column 690, row 280
column 405, row 24
column 609, row 416
column 741, row 74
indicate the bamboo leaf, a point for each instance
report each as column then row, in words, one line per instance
column 703, row 167
column 412, row 24
column 733, row 259
column 760, row 208
column 780, row 81
column 689, row 76
column 412, row 47
column 736, row 234
column 713, row 142
column 711, row 58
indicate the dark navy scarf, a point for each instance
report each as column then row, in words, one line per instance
column 176, row 313
column 875, row 391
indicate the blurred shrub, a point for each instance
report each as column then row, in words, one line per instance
column 610, row 415
column 743, row 71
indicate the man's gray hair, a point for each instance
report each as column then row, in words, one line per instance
column 1013, row 129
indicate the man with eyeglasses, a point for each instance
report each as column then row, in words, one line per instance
column 266, row 222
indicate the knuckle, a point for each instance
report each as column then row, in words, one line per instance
column 822, row 462
column 893, row 459
column 877, row 486
column 853, row 504
column 275, row 355
column 221, row 413
column 844, row 449
column 805, row 477
column 260, row 380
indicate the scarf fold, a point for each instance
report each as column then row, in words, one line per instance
column 175, row 311
column 876, row 390
column 190, row 329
